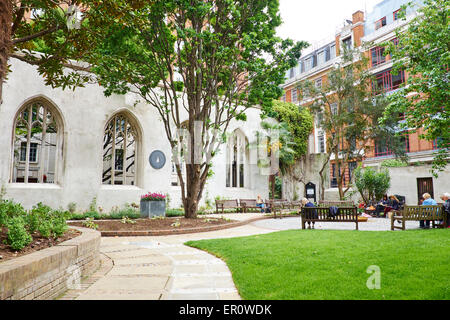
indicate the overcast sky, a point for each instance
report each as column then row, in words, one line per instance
column 315, row 20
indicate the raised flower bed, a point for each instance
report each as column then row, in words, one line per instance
column 153, row 204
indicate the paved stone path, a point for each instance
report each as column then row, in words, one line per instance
column 154, row 268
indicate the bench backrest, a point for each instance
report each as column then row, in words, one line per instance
column 323, row 213
column 278, row 203
column 426, row 212
column 337, row 203
column 248, row 202
column 227, row 203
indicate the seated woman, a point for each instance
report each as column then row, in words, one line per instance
column 382, row 205
column 394, row 205
column 260, row 203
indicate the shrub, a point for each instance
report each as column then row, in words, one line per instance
column 9, row 209
column 89, row 223
column 58, row 224
column 372, row 185
column 45, row 227
column 32, row 221
column 92, row 214
column 18, row 236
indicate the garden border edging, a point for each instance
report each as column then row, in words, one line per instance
column 47, row 273
column 182, row 231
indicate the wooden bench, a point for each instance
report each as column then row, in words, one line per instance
column 277, row 206
column 418, row 213
column 322, row 214
column 227, row 204
column 336, row 203
column 248, row 204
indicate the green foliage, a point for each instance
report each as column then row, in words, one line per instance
column 93, row 205
column 126, row 220
column 21, row 224
column 333, row 264
column 423, row 52
column 372, row 185
column 393, row 163
column 9, row 209
column 89, row 223
column 17, row 235
column 127, row 211
column 174, row 212
column 300, row 124
column 225, row 53
column 278, row 188
column 48, row 32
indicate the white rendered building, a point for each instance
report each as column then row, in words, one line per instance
column 57, row 147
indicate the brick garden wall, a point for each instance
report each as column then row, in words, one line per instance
column 48, row 273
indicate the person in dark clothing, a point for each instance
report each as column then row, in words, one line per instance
column 446, row 198
column 308, row 204
column 394, row 204
column 382, row 205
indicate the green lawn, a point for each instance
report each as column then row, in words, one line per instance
column 325, row 264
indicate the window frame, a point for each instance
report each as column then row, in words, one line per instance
column 381, row 58
column 379, row 23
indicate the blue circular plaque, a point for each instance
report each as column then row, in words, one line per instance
column 157, row 159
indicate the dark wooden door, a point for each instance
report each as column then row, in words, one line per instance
column 424, row 185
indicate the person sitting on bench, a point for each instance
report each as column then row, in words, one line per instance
column 427, row 202
column 260, row 203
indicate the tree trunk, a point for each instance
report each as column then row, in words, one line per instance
column 5, row 39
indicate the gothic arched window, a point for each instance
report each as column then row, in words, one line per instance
column 119, row 151
column 37, row 144
column 237, row 160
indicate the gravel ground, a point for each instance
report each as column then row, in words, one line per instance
column 373, row 224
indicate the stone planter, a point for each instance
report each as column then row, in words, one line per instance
column 151, row 209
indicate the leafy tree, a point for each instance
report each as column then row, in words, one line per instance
column 51, row 35
column 423, row 51
column 372, row 185
column 204, row 60
column 348, row 111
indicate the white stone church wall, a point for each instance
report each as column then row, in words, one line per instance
column 85, row 112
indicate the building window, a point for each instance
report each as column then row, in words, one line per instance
column 37, row 144
column 120, row 144
column 332, row 52
column 377, row 56
column 380, row 23
column 396, row 14
column 347, row 43
column 294, row 95
column 321, row 139
column 382, row 147
column 283, row 98
column 334, row 108
column 395, row 41
column 33, row 152
column 308, row 63
column 385, row 81
column 292, row 73
column 333, row 181
column 321, row 57
column 351, row 168
column 318, row 83
column 237, row 160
